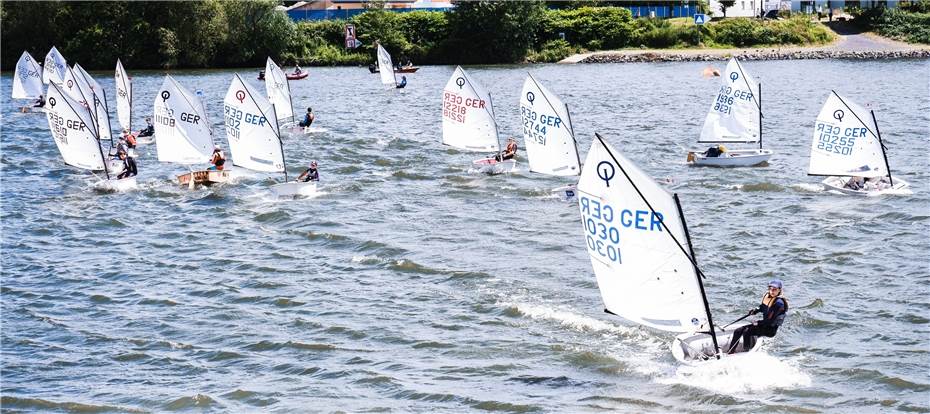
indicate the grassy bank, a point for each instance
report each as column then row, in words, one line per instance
column 910, row 22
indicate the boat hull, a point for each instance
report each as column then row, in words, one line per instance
column 204, row 177
column 732, row 158
column 114, row 185
column 294, row 189
column 837, row 184
column 566, row 192
column 495, row 165
column 698, row 348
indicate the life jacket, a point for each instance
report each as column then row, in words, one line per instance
column 131, row 140
column 768, row 311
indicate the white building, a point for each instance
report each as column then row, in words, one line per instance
column 749, row 8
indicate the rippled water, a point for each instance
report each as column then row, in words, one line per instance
column 416, row 284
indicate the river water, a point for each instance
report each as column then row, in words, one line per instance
column 413, row 283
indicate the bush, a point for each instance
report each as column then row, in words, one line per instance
column 901, row 24
column 589, row 27
column 552, row 51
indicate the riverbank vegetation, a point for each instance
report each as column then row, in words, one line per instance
column 228, row 33
column 909, row 22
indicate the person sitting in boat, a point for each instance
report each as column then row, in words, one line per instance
column 403, row 82
column 774, row 307
column 372, row 68
column 130, row 139
column 129, row 166
column 509, row 151
column 308, row 118
column 855, row 183
column 39, row 102
column 149, row 130
column 876, row 183
column 218, row 159
column 310, row 174
column 715, row 151
column 120, row 147
column 297, row 70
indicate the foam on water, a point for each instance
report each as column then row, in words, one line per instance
column 742, row 375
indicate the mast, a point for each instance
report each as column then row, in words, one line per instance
column 881, row 144
column 287, row 82
column 698, row 276
column 574, row 141
column 760, row 115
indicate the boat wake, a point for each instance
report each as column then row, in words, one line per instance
column 742, row 375
column 808, row 187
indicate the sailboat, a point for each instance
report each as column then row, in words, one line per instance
column 183, row 134
column 98, row 98
column 72, row 129
column 123, row 96
column 641, row 252
column 79, row 88
column 847, row 146
column 468, row 120
column 386, row 67
column 735, row 116
column 54, row 68
column 279, row 91
column 27, row 79
column 548, row 134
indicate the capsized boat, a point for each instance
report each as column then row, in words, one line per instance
column 468, row 121
column 641, row 252
column 548, row 135
column 735, row 116
column 847, row 147
column 183, row 133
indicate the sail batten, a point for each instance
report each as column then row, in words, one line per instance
column 468, row 115
column 643, row 274
column 547, row 131
column 734, row 113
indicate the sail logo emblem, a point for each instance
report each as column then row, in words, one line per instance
column 52, row 102
column 460, row 81
column 240, row 96
column 838, row 115
column 530, row 96
column 70, row 84
column 734, row 76
column 165, row 95
column 606, row 171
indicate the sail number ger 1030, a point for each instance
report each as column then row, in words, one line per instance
column 602, row 223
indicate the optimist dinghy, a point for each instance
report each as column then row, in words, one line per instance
column 641, row 252
column 468, row 121
column 847, row 146
column 183, row 133
column 548, row 135
column 735, row 116
column 27, row 80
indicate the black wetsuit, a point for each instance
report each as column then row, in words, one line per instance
column 311, row 174
column 402, row 84
column 772, row 318
column 147, row 132
column 307, row 121
column 129, row 169
column 39, row 103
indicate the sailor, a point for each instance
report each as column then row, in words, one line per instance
column 261, row 74
column 129, row 166
column 308, row 118
column 39, row 102
column 715, row 151
column 774, row 307
column 297, row 70
column 509, row 152
column 310, row 174
column 120, row 146
column 855, row 183
column 218, row 159
column 130, row 139
column 403, row 82
column 149, row 130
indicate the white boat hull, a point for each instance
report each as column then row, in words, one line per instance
column 294, row 189
column 114, row 185
column 495, row 165
column 731, row 158
column 698, row 348
column 204, row 177
column 838, row 184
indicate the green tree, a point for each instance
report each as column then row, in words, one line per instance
column 492, row 31
column 256, row 30
column 726, row 4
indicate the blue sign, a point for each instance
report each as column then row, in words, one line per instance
column 700, row 19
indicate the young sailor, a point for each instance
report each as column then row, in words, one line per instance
column 310, row 174
column 509, row 151
column 774, row 307
column 149, row 130
column 403, row 82
column 129, row 166
column 218, row 159
column 308, row 118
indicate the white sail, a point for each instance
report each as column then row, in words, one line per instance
column 27, row 80
column 182, row 132
column 55, row 67
column 386, row 67
column 252, row 128
column 279, row 92
column 100, row 109
column 734, row 112
column 76, row 87
column 547, row 131
column 643, row 274
column 467, row 115
column 123, row 96
column 845, row 141
column 73, row 131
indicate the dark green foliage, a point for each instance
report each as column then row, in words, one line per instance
column 908, row 23
column 552, row 51
column 493, row 31
column 589, row 27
